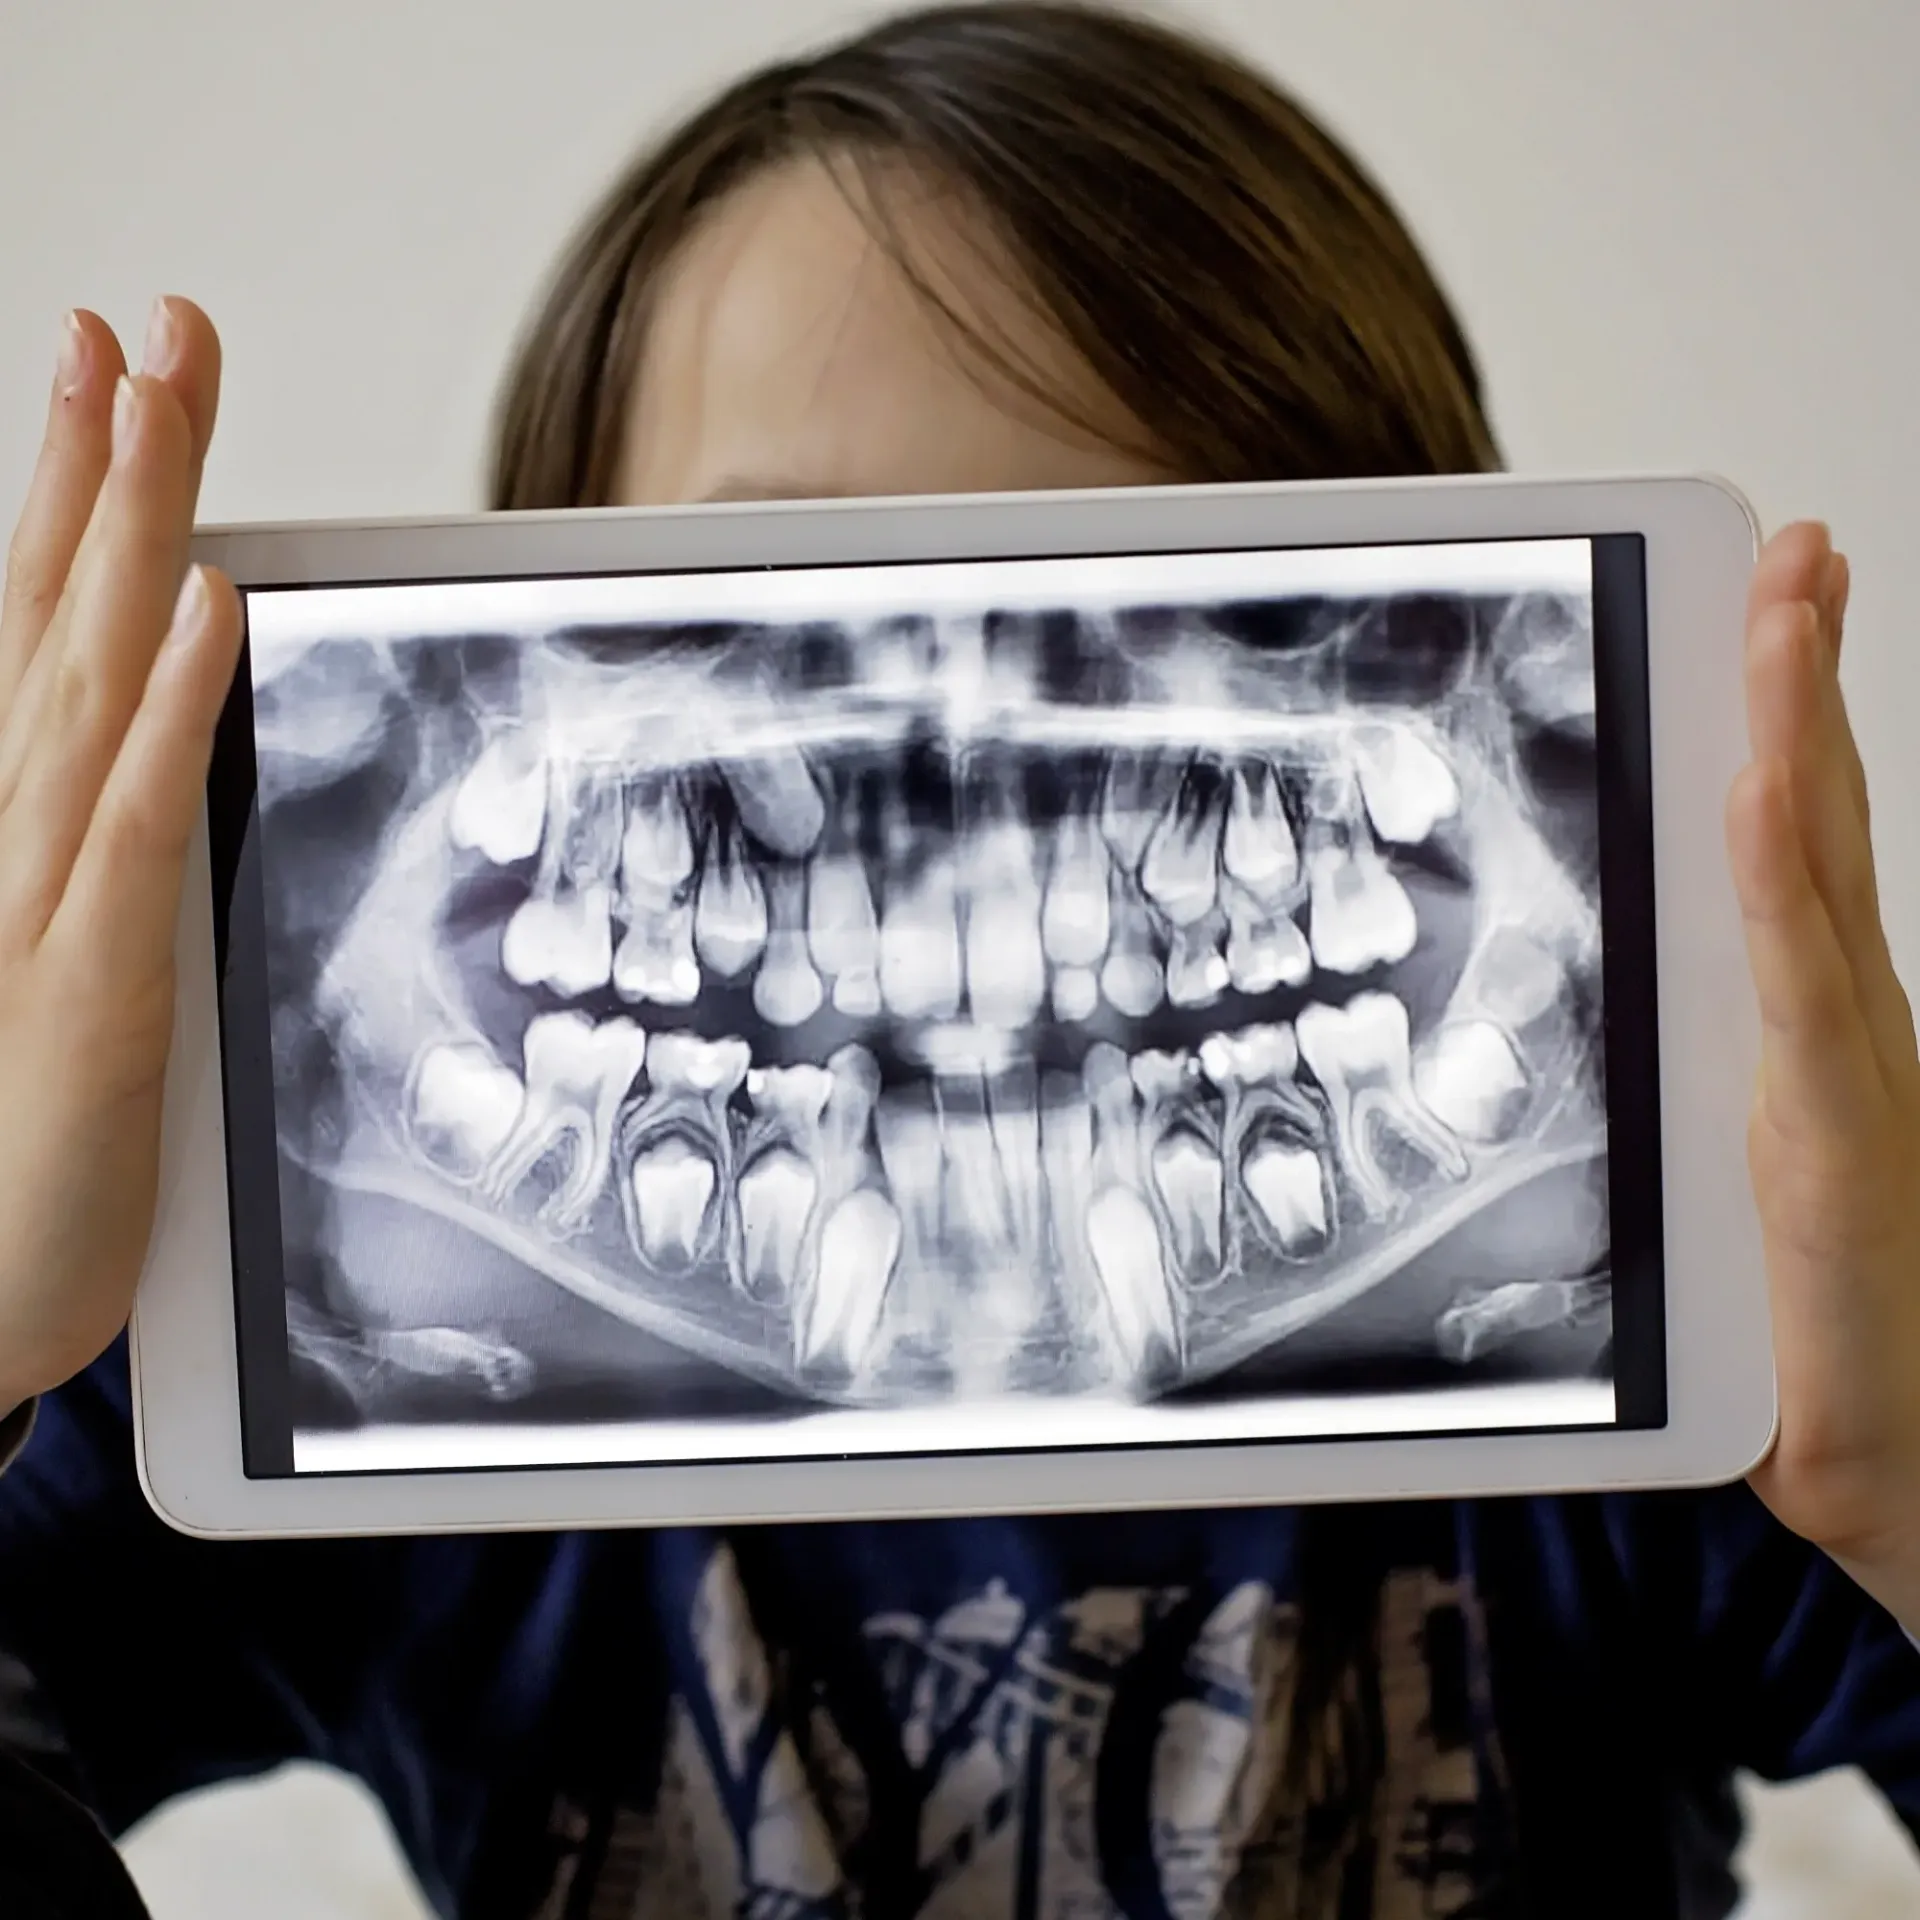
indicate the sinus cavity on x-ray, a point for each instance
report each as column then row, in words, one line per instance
column 911, row 1007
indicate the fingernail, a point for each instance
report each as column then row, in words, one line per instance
column 72, row 366
column 125, row 401
column 162, row 347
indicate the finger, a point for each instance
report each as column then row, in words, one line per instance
column 60, row 496
column 183, row 350
column 1823, row 1080
column 95, row 664
column 121, row 902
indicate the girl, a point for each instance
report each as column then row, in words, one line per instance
column 977, row 248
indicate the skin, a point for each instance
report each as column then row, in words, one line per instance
column 789, row 360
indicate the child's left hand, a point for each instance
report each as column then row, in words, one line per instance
column 1834, row 1139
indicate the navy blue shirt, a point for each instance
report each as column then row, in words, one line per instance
column 1043, row 1720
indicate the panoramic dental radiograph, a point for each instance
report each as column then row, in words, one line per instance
column 1031, row 998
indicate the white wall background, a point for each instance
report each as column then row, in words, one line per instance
column 1683, row 233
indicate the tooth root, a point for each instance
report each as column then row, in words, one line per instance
column 779, row 803
column 577, row 1075
column 1066, row 1150
column 1288, row 1187
column 859, row 1249
column 1116, row 1112
column 1360, row 1055
column 1408, row 788
column 843, row 932
column 787, row 991
column 730, row 920
column 655, row 960
column 1258, row 850
column 777, row 1195
column 656, row 849
column 1075, row 919
column 1192, row 1188
column 500, row 807
column 1359, row 914
column 1125, row 1245
column 1469, row 1078
column 462, row 1106
column 1076, row 993
column 1131, row 977
column 920, row 969
column 673, row 1188
column 907, row 1133
column 1013, row 1104
column 1197, row 972
column 976, row 1209
column 1264, row 951
column 1179, row 872
column 1006, row 967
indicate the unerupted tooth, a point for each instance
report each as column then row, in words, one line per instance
column 1074, row 922
column 1076, row 993
column 1131, row 977
column 1180, row 871
column 777, row 1194
column 1408, row 788
column 656, row 850
column 462, row 1105
column 577, row 1075
column 713, row 1069
column 730, row 920
column 1006, row 968
column 1360, row 1054
column 1066, row 1151
column 1360, row 915
column 976, row 1206
column 1469, row 1078
column 1197, row 973
column 859, row 1248
column 920, row 945
column 1288, row 1186
column 907, row 1132
column 854, row 1089
column 1110, row 1092
column 1126, row 1257
column 778, row 801
column 562, row 936
column 1013, row 1104
column 793, row 1097
column 1192, row 1186
column 787, row 991
column 1140, row 788
column 654, row 960
column 1264, row 951
column 843, row 931
column 673, row 1187
column 1258, row 849
column 500, row 807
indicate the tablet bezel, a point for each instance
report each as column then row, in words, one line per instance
column 1700, row 537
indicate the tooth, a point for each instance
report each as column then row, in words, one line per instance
column 786, row 990
column 1470, row 1079
column 577, row 1076
column 795, row 1097
column 1258, row 849
column 1407, row 786
column 1109, row 1085
column 778, row 801
column 859, row 1248
column 1125, row 1244
column 1076, row 993
column 1360, row 1055
column 712, row 1069
column 730, row 921
column 843, row 932
column 656, row 850
column 908, row 1135
column 1073, row 926
column 562, row 935
column 1255, row 1056
column 1013, row 1108
column 1264, row 951
column 673, row 1185
column 1006, row 970
column 654, row 960
column 1359, row 916
column 1140, row 788
column 1131, row 977
column 461, row 1106
column 500, row 807
column 1287, row 1185
column 1192, row 1187
column 920, row 945
column 777, row 1195
column 1180, row 871
column 1197, row 973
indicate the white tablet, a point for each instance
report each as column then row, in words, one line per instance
column 1186, row 996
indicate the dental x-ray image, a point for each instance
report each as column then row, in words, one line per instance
column 899, row 1007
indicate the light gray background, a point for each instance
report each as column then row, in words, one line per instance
column 1683, row 234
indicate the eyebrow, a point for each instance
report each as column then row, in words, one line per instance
column 772, row 487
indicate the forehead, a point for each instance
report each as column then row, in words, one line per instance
column 788, row 354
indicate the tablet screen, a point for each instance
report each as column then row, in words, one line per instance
column 1070, row 1002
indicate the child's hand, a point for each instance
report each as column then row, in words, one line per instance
column 104, row 741
column 1834, row 1142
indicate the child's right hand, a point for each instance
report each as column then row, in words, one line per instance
column 104, row 741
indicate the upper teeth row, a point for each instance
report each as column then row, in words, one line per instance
column 1215, row 884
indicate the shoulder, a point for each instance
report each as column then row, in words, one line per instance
column 55, row 1861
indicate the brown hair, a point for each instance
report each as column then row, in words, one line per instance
column 1228, row 271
